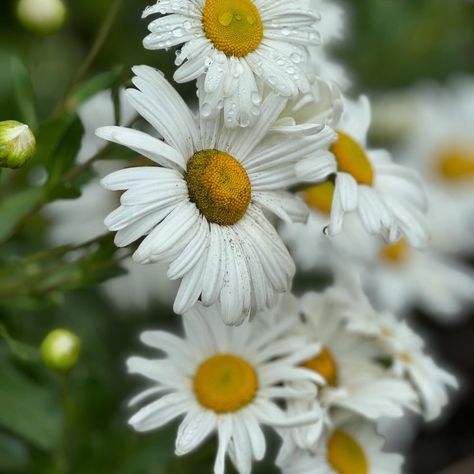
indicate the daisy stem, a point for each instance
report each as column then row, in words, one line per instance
column 93, row 52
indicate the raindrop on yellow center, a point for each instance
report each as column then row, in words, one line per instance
column 233, row 26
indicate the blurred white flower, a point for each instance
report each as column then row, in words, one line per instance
column 407, row 350
column 355, row 381
column 440, row 146
column 224, row 380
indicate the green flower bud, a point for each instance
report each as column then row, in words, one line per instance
column 17, row 144
column 41, row 16
column 60, row 350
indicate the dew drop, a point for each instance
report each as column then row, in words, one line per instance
column 326, row 231
column 225, row 18
column 205, row 109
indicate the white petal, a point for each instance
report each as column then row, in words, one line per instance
column 145, row 145
column 194, row 429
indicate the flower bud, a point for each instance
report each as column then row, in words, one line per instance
column 17, row 144
column 41, row 16
column 60, row 350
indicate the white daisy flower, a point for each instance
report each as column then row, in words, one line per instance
column 403, row 347
column 225, row 381
column 347, row 362
column 440, row 146
column 387, row 197
column 409, row 360
column 398, row 277
column 235, row 45
column 82, row 219
column 355, row 381
column 201, row 211
column 352, row 446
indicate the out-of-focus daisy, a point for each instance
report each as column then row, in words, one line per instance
column 403, row 348
column 387, row 197
column 80, row 220
column 399, row 277
column 236, row 45
column 202, row 209
column 225, row 381
column 350, row 447
column 331, row 28
column 355, row 381
column 441, row 146
column 406, row 348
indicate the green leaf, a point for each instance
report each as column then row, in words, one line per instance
column 14, row 208
column 23, row 88
column 13, row 454
column 87, row 89
column 64, row 155
column 27, row 409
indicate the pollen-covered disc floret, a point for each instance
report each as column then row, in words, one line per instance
column 225, row 383
column 201, row 211
column 233, row 26
column 236, row 48
column 219, row 186
column 228, row 381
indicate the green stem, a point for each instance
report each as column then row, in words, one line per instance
column 93, row 52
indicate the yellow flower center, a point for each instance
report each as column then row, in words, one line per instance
column 225, row 383
column 219, row 186
column 233, row 26
column 406, row 357
column 396, row 253
column 325, row 365
column 351, row 158
column 345, row 454
column 456, row 164
column 319, row 196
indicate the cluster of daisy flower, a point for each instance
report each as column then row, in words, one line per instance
column 276, row 152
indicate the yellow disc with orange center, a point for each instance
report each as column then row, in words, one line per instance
column 233, row 26
column 325, row 365
column 346, row 455
column 225, row 383
column 219, row 186
column 319, row 196
column 352, row 159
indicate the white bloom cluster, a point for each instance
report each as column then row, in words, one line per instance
column 274, row 137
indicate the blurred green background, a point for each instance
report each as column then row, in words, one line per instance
column 390, row 44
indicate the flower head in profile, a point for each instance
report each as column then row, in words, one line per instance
column 236, row 47
column 201, row 209
column 223, row 380
column 352, row 446
column 388, row 198
column 406, row 348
